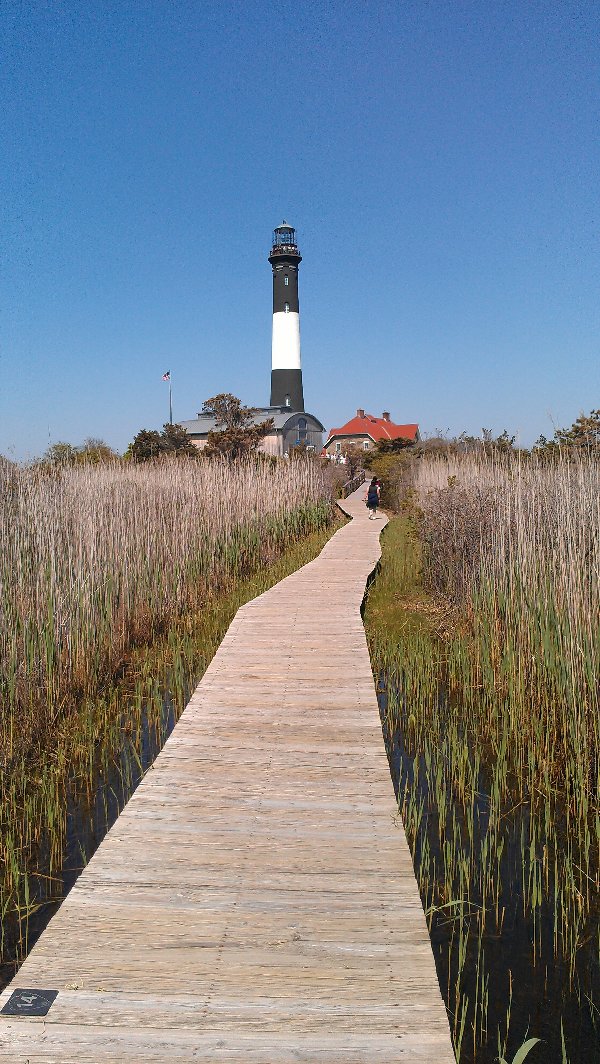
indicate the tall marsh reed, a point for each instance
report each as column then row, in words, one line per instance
column 490, row 673
column 94, row 559
column 517, row 548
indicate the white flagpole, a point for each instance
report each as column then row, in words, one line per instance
column 167, row 377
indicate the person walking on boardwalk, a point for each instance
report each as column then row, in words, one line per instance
column 372, row 498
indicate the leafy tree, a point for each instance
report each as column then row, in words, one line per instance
column 235, row 433
column 355, row 458
column 93, row 451
column 90, row 452
column 582, row 436
column 393, row 446
column 584, row 433
column 502, row 443
column 300, row 450
column 173, row 440
column 146, row 445
column 176, row 441
column 61, row 453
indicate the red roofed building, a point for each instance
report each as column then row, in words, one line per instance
column 365, row 431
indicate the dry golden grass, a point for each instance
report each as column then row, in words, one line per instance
column 96, row 558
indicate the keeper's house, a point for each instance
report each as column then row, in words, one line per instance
column 365, row 431
column 291, row 428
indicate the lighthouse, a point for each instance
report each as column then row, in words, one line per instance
column 292, row 426
column 286, row 371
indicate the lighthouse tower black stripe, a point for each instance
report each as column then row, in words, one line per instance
column 285, row 287
column 286, row 372
column 286, row 388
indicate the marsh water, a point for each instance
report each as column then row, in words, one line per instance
column 504, row 986
column 94, row 796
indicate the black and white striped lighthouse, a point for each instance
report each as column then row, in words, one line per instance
column 286, row 370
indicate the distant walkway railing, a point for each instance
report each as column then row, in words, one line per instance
column 352, row 485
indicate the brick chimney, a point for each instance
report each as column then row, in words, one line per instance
column 360, row 413
column 386, row 415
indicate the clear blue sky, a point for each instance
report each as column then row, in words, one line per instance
column 440, row 161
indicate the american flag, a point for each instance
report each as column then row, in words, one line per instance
column 167, row 376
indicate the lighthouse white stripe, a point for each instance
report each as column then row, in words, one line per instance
column 285, row 350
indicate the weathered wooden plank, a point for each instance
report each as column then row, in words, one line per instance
column 86, row 1044
column 255, row 901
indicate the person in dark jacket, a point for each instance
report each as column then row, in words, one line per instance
column 372, row 498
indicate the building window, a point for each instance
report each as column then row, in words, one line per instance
column 338, row 448
column 302, row 429
column 365, row 445
column 286, row 307
column 286, row 280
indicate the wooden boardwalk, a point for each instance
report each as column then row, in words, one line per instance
column 255, row 901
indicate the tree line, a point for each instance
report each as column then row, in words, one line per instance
column 235, row 435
